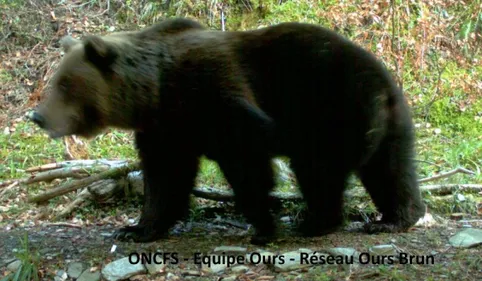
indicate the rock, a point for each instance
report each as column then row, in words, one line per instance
column 171, row 276
column 240, row 269
column 292, row 260
column 62, row 274
column 218, row 268
column 230, row 278
column 261, row 257
column 135, row 180
column 215, row 264
column 5, row 261
column 154, row 268
column 305, row 250
column 266, row 277
column 230, row 250
column 340, row 251
column 426, row 221
column 466, row 238
column 191, row 273
column 285, row 219
column 75, row 269
column 13, row 266
column 380, row 251
column 351, row 253
column 140, row 277
column 383, row 250
column 58, row 278
column 89, row 276
column 122, row 269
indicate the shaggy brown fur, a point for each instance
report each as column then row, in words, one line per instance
column 242, row 98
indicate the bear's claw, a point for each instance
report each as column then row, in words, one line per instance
column 138, row 234
column 313, row 226
column 384, row 227
column 262, row 239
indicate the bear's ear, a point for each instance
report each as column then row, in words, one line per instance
column 98, row 51
column 67, row 42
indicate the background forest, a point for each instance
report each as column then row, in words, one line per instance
column 433, row 48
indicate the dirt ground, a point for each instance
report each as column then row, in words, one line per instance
column 61, row 244
column 28, row 58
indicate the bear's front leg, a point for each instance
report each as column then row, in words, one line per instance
column 169, row 168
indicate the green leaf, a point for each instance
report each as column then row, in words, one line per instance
column 17, row 274
column 26, row 272
column 466, row 29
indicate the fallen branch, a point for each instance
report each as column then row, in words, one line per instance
column 444, row 189
column 103, row 179
column 45, row 167
column 222, row 195
column 68, row 169
column 213, row 194
column 78, row 163
column 227, row 195
column 74, row 185
column 447, row 174
column 12, row 185
column 104, row 190
column 63, row 224
column 79, row 200
column 8, row 182
column 100, row 191
column 50, row 175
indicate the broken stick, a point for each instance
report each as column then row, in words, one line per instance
column 74, row 185
column 447, row 174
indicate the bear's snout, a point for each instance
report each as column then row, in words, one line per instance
column 38, row 119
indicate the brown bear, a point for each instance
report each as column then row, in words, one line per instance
column 241, row 98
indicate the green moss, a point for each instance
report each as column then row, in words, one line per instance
column 5, row 76
column 454, row 203
column 12, row 3
column 210, row 174
column 446, row 113
column 303, row 11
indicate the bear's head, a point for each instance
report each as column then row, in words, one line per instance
column 78, row 102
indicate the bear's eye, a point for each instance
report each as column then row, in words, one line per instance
column 63, row 85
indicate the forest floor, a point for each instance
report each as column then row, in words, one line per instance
column 29, row 55
column 434, row 257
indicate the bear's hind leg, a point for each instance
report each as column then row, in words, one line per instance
column 390, row 178
column 245, row 138
column 169, row 175
column 322, row 182
column 251, row 178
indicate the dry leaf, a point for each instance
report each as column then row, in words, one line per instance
column 266, row 277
